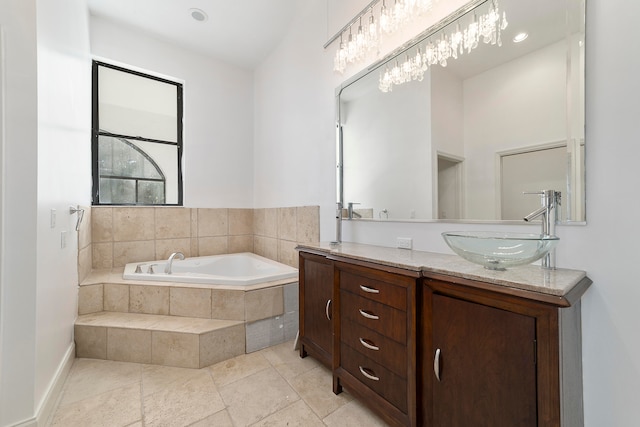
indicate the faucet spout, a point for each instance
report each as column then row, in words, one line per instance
column 535, row 214
column 167, row 268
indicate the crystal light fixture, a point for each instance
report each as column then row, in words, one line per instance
column 440, row 48
column 367, row 38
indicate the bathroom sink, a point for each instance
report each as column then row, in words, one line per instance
column 497, row 250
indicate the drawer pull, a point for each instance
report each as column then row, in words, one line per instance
column 368, row 315
column 369, row 290
column 367, row 345
column 436, row 364
column 326, row 309
column 368, row 375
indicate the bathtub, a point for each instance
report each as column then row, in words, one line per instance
column 239, row 269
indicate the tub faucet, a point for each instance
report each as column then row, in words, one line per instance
column 167, row 269
column 548, row 212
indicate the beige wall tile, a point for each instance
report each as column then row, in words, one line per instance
column 85, row 262
column 84, row 232
column 271, row 222
column 259, row 222
column 102, row 255
column 190, row 302
column 149, row 299
column 101, row 224
column 263, row 303
column 90, row 299
column 221, row 344
column 227, row 304
column 239, row 244
column 213, row 222
column 213, row 245
column 116, row 297
column 165, row 247
column 308, row 224
column 194, row 223
column 91, row 342
column 287, row 223
column 194, row 247
column 133, row 224
column 266, row 247
column 172, row 223
column 287, row 253
column 175, row 349
column 129, row 345
column 240, row 222
column 126, row 252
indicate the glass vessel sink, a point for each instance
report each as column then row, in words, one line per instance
column 496, row 250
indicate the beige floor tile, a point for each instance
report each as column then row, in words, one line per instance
column 183, row 402
column 287, row 361
column 298, row 414
column 117, row 407
column 219, row 419
column 91, row 377
column 315, row 387
column 353, row 414
column 156, row 378
column 257, row 396
column 237, row 368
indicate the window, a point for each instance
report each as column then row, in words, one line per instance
column 136, row 138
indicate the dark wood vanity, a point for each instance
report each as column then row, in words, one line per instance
column 423, row 343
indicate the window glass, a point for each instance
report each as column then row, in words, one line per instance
column 137, row 138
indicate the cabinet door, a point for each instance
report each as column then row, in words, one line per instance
column 485, row 360
column 316, row 292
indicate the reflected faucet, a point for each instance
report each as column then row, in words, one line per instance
column 167, row 269
column 351, row 213
column 548, row 212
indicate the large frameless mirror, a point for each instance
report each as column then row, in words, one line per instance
column 466, row 140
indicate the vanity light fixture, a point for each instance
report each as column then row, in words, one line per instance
column 442, row 46
column 198, row 14
column 367, row 39
column 520, row 37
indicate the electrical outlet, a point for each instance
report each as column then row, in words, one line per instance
column 404, row 242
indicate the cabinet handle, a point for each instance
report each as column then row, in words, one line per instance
column 368, row 375
column 369, row 346
column 326, row 309
column 369, row 290
column 436, row 364
column 368, row 315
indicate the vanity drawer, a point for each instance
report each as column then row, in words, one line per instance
column 379, row 379
column 376, row 347
column 378, row 317
column 377, row 290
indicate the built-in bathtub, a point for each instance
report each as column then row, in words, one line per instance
column 242, row 287
column 237, row 270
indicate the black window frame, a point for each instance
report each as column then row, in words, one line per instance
column 96, row 133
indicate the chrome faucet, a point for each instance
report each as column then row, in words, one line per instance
column 351, row 213
column 167, row 269
column 550, row 200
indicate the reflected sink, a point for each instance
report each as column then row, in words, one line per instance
column 496, row 250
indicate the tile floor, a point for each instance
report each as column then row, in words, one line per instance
column 271, row 387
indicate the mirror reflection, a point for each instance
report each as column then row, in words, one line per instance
column 470, row 138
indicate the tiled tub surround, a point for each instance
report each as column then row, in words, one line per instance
column 181, row 324
column 114, row 236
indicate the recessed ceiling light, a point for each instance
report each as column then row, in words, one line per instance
column 198, row 14
column 520, row 37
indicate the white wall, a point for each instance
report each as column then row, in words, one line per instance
column 64, row 180
column 218, row 112
column 45, row 67
column 606, row 248
column 19, row 208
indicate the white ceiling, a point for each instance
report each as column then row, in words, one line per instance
column 239, row 32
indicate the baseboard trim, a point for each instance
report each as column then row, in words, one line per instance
column 52, row 397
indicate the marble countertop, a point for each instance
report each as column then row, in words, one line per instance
column 558, row 282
